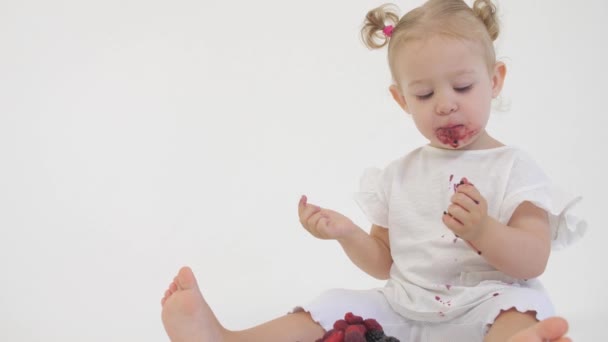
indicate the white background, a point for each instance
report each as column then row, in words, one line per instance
column 139, row 136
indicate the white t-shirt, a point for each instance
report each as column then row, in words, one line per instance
column 436, row 276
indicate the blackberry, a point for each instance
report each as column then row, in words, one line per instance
column 375, row 336
column 389, row 339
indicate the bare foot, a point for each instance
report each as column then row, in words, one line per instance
column 186, row 316
column 551, row 329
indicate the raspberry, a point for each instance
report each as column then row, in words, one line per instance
column 355, row 333
column 372, row 324
column 354, row 336
column 353, row 319
column 354, row 328
column 340, row 324
column 357, row 327
column 333, row 336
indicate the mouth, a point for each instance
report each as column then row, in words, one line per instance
column 452, row 135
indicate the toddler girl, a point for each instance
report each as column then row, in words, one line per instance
column 461, row 227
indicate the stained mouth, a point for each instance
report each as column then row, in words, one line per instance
column 452, row 135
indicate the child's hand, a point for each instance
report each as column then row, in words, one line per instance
column 467, row 214
column 324, row 223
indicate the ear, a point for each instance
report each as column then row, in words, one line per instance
column 396, row 92
column 498, row 78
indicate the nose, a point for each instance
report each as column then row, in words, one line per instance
column 446, row 104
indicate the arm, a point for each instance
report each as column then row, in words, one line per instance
column 520, row 249
column 370, row 252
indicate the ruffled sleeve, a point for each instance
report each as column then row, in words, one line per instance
column 529, row 183
column 372, row 198
column 566, row 226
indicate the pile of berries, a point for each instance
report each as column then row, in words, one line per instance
column 356, row 329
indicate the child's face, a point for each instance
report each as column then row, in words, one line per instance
column 445, row 85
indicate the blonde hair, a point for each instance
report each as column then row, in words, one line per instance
column 451, row 18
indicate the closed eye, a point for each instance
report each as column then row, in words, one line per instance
column 464, row 89
column 425, row 96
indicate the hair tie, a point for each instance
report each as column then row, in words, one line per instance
column 388, row 30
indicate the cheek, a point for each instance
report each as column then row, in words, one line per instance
column 421, row 120
column 424, row 124
column 479, row 107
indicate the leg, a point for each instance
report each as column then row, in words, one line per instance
column 187, row 318
column 297, row 327
column 514, row 326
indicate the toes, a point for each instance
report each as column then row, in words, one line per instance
column 165, row 297
column 552, row 328
column 186, row 279
column 556, row 327
column 172, row 288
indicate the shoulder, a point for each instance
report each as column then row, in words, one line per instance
column 513, row 158
column 523, row 172
column 525, row 164
column 386, row 174
column 397, row 165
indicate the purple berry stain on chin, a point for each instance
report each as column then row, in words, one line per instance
column 452, row 134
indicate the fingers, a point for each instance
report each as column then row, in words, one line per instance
column 458, row 213
column 305, row 210
column 464, row 201
column 302, row 204
column 315, row 220
column 312, row 217
column 466, row 210
column 453, row 223
column 467, row 190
